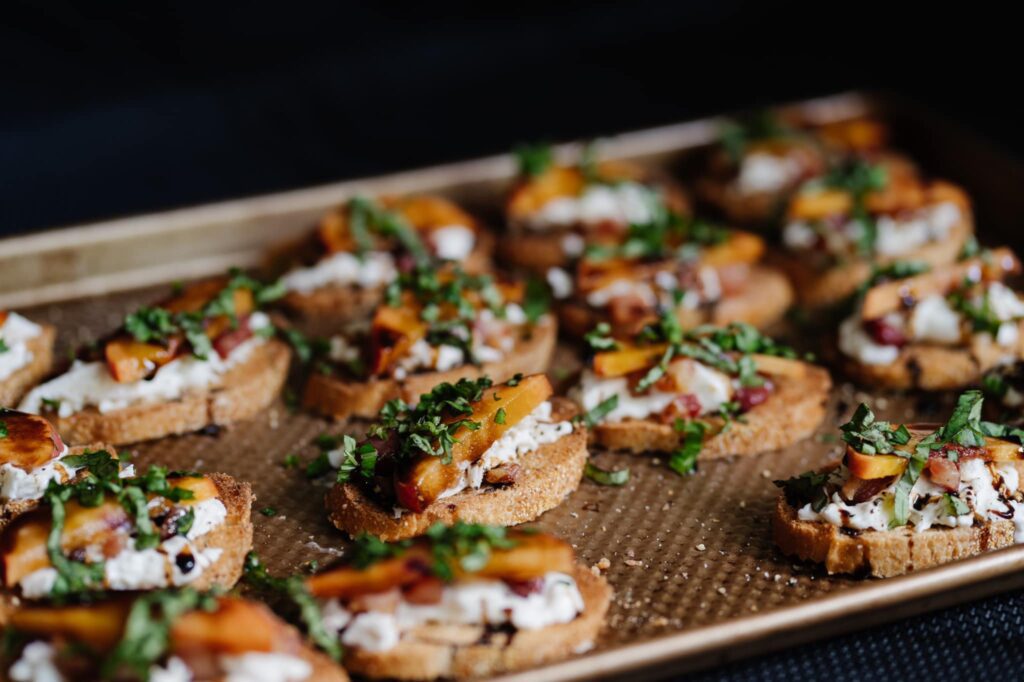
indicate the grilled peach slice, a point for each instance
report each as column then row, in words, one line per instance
column 627, row 359
column 419, row 483
column 774, row 365
column 856, row 135
column 555, row 182
column 532, row 556
column 333, row 231
column 31, row 441
column 820, row 204
column 890, row 296
column 997, row 450
column 869, row 467
column 237, row 626
column 392, row 334
column 426, row 212
column 98, row 626
column 347, row 581
column 130, row 360
column 740, row 247
column 3, row 316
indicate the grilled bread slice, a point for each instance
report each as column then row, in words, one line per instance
column 546, row 477
column 341, row 399
column 245, row 390
column 435, row 652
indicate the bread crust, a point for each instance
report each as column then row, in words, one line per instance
column 746, row 208
column 342, row 399
column 822, row 288
column 15, row 386
column 346, row 303
column 764, row 301
column 15, row 508
column 547, row 476
column 234, row 536
column 246, row 389
column 793, row 412
column 882, row 554
column 422, row 659
column 935, row 368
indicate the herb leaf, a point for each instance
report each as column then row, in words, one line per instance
column 605, row 477
column 683, row 459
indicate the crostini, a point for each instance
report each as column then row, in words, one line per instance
column 361, row 246
column 26, row 355
column 864, row 214
column 906, row 498
column 472, row 450
column 464, row 601
column 434, row 326
column 166, row 636
column 32, row 455
column 553, row 211
column 710, row 392
column 758, row 163
column 937, row 329
column 100, row 531
column 204, row 356
column 704, row 273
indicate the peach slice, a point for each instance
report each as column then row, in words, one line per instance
column 532, row 556
column 392, row 334
column 557, row 181
column 867, row 467
column 346, row 582
column 627, row 359
column 889, row 297
column 997, row 450
column 100, row 626
column 856, row 134
column 31, row 441
column 783, row 367
column 237, row 626
column 419, row 483
column 820, row 204
column 741, row 247
column 3, row 316
column 426, row 212
column 333, row 231
column 129, row 360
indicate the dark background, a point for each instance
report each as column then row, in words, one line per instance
column 114, row 108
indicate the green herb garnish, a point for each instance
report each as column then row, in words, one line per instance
column 604, row 477
column 683, row 459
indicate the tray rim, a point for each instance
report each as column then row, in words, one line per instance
column 873, row 601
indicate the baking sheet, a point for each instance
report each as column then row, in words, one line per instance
column 696, row 578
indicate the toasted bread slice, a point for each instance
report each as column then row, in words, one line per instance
column 762, row 302
column 882, row 553
column 933, row 368
column 18, row 383
column 341, row 399
column 15, row 508
column 822, row 288
column 435, row 652
column 245, row 390
column 547, row 476
column 347, row 303
column 794, row 410
column 743, row 208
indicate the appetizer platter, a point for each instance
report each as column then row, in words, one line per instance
column 591, row 347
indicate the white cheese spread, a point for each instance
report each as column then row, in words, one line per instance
column 855, row 342
column 36, row 664
column 374, row 269
column 982, row 492
column 264, row 667
column 16, row 332
column 762, row 172
column 623, row 203
column 482, row 602
column 18, row 484
column 90, row 384
column 560, row 282
column 453, row 242
column 175, row 671
column 933, row 320
column 528, row 434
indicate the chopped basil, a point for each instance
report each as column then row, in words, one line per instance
column 534, row 159
column 290, row 461
column 536, row 299
column 901, row 499
column 683, row 459
column 185, row 521
column 955, row 506
column 294, row 588
column 468, row 545
column 50, row 404
column 871, row 436
column 3, row 429
column 356, row 457
column 603, row 477
column 268, row 511
column 499, row 416
column 594, row 417
column 600, row 338
column 3, row 345
column 516, row 378
column 807, row 488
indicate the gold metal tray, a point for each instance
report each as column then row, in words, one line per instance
column 696, row 578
